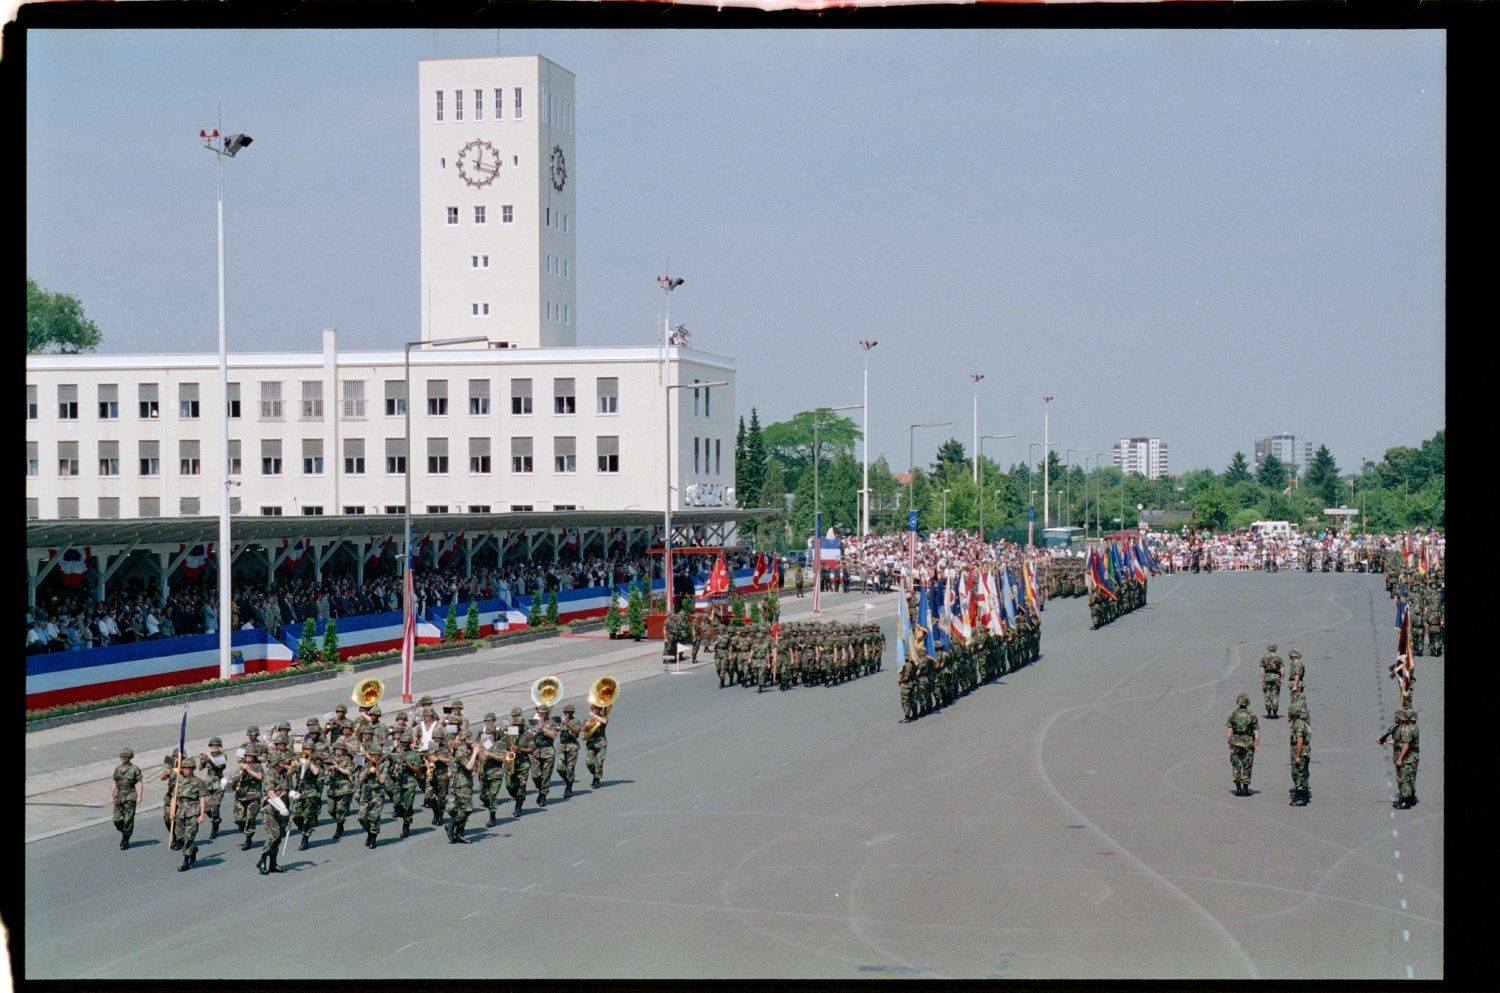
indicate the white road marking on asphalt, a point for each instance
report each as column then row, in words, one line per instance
column 621, row 842
column 1405, row 935
column 531, row 887
column 1408, row 972
column 1403, row 904
column 475, row 914
column 404, row 948
column 1393, row 832
column 1400, row 878
column 1398, row 855
column 581, row 861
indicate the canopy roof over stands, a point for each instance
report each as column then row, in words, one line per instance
column 201, row 530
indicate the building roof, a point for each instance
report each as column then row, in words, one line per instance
column 202, row 530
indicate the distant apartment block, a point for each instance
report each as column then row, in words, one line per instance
column 1147, row 456
column 1290, row 449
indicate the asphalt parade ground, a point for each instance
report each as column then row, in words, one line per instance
column 1074, row 820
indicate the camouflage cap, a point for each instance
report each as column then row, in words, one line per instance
column 515, row 712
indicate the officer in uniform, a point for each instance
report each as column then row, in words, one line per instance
column 1242, row 731
column 1301, row 748
column 567, row 746
column 126, row 790
column 545, row 736
column 1270, row 680
column 191, row 809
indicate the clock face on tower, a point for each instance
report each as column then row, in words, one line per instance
column 559, row 169
column 478, row 163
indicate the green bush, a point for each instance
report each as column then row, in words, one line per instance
column 471, row 623
column 534, row 612
column 552, row 609
column 755, row 612
column 636, row 614
column 450, row 623
column 331, row 641
column 307, row 647
column 612, row 614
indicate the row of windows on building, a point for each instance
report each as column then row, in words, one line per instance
column 557, row 265
column 557, row 220
column 68, row 508
column 273, row 406
column 450, row 107
column 708, row 457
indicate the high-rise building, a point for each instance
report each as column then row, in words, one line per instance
column 1291, row 450
column 1147, row 456
column 499, row 217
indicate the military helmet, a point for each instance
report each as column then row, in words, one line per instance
column 439, row 735
column 252, row 729
column 216, row 740
column 375, row 750
column 341, row 709
column 568, row 708
column 425, row 702
column 457, row 705
column 1294, row 654
column 489, row 716
column 284, row 726
column 188, row 763
column 375, row 711
column 1243, row 700
column 339, row 745
column 283, row 739
column 515, row 712
column 127, row 753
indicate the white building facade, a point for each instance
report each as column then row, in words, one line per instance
column 1292, row 451
column 498, row 212
column 114, row 437
column 1147, row 456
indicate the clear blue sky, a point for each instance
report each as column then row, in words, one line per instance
column 1201, row 236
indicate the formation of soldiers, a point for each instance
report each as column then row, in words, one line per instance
column 1424, row 594
column 1062, row 576
column 805, row 653
column 1129, row 595
column 358, row 764
column 1242, row 730
column 927, row 683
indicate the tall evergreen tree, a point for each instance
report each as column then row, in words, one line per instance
column 754, row 473
column 1272, row 473
column 1238, row 471
column 951, row 454
column 1323, row 476
column 740, row 465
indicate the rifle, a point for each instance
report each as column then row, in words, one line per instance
column 1389, row 734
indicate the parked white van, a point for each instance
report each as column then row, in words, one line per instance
column 1276, row 529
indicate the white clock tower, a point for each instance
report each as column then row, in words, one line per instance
column 499, row 222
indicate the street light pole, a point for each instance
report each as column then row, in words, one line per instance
column 1067, row 482
column 911, row 469
column 945, row 509
column 666, row 559
column 1046, row 465
column 228, row 147
column 982, row 440
column 864, row 527
column 976, row 377
column 408, row 607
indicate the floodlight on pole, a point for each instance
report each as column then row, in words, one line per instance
column 976, row 377
column 982, row 439
column 911, row 469
column 864, row 526
column 222, row 149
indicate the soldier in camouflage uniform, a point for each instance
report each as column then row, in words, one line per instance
column 461, row 785
column 721, row 653
column 906, row 680
column 339, row 773
column 568, row 731
column 191, row 809
column 1270, row 680
column 596, row 745
column 247, row 795
column 369, row 792
column 169, row 777
column 307, row 783
column 436, row 796
column 126, row 790
column 491, row 766
column 1405, row 751
column 523, row 743
column 1301, row 750
column 545, row 755
column 214, row 763
column 275, row 781
column 402, row 769
column 1242, row 731
column 1296, row 677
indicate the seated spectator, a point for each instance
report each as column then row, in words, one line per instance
column 36, row 638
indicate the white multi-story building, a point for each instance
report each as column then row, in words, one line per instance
column 1147, row 456
column 325, row 433
column 1292, row 451
column 532, row 423
column 499, row 222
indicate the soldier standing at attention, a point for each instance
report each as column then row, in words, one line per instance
column 546, row 753
column 1405, row 752
column 1296, row 692
column 1270, row 680
column 1301, row 745
column 567, row 746
column 191, row 809
column 596, row 745
column 906, row 681
column 126, row 791
column 1243, row 733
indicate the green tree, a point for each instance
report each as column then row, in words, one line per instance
column 552, row 609
column 754, row 474
column 1322, row 477
column 1212, row 507
column 1238, row 470
column 950, row 454
column 534, row 612
column 635, row 613
column 307, row 645
column 450, row 623
column 754, row 611
column 331, row 641
column 471, row 623
column 612, row 614
column 741, row 478
column 772, row 488
column 1272, row 473
column 57, row 320
column 791, row 442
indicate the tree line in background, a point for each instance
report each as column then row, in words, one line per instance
column 1404, row 489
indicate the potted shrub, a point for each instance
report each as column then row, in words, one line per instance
column 612, row 614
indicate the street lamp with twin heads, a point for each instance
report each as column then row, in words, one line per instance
column 226, row 147
column 666, row 558
column 911, row 468
column 407, row 606
column 982, row 439
column 817, row 508
column 864, row 523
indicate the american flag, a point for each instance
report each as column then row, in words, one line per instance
column 408, row 632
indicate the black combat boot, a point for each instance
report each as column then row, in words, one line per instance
column 370, row 839
column 437, row 818
column 185, row 864
column 458, row 833
column 541, row 800
column 302, row 845
column 176, row 844
column 248, row 836
column 214, row 831
column 518, row 808
column 338, row 830
column 491, row 822
column 449, row 829
column 405, row 826
column 1411, row 801
column 595, row 784
column 124, row 840
column 567, row 790
column 274, row 866
column 262, row 865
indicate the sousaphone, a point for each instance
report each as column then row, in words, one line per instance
column 367, row 692
column 546, row 691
